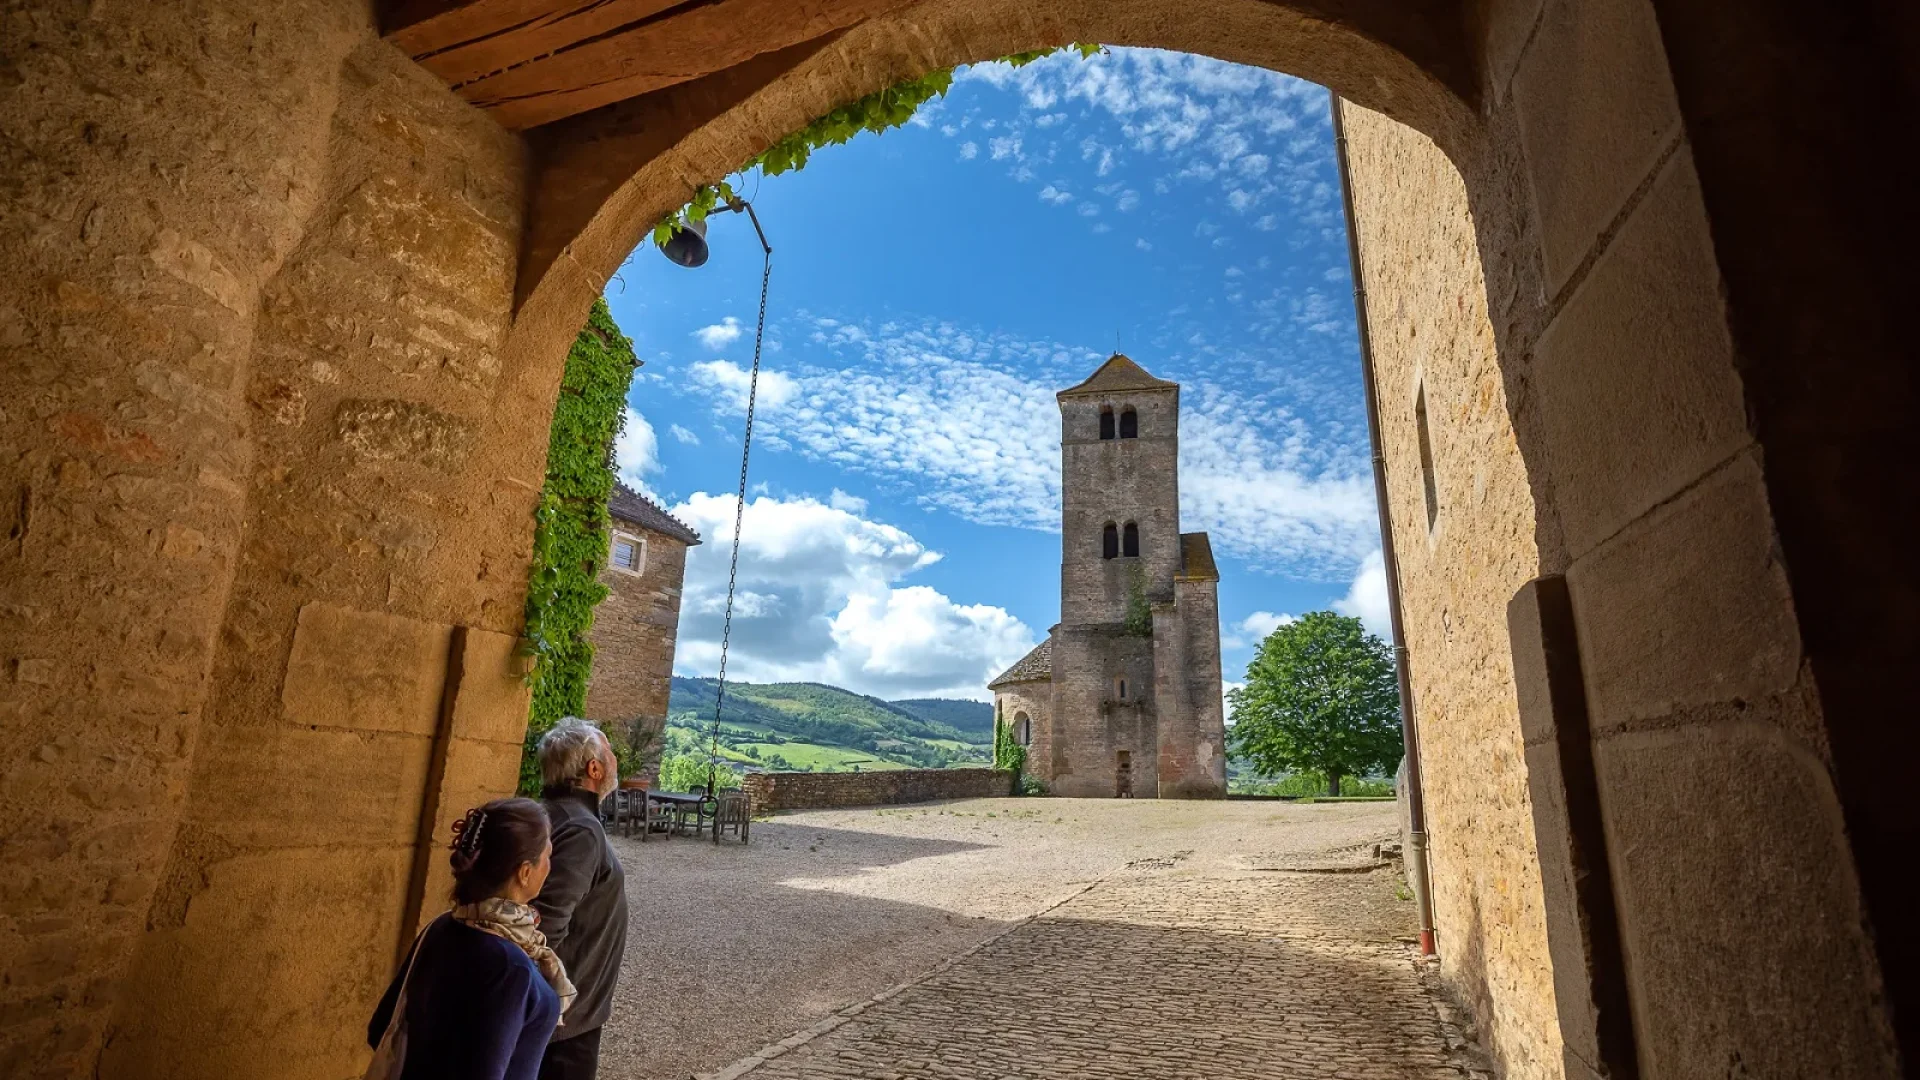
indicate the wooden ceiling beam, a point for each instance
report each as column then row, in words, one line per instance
column 487, row 36
column 676, row 45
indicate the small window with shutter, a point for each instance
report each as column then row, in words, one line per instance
column 629, row 553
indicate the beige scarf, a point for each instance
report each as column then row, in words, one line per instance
column 520, row 924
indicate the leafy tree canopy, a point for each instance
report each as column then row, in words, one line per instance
column 1320, row 696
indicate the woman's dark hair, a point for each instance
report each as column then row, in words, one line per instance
column 491, row 842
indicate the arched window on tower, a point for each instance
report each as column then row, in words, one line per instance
column 1022, row 729
column 1106, row 423
column 1129, row 424
column 1110, row 542
column 1130, row 547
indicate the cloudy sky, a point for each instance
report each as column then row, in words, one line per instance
column 932, row 288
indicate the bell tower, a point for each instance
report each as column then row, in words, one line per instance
column 1120, row 491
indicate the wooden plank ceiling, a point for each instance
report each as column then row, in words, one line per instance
column 531, row 62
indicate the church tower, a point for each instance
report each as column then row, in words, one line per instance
column 1123, row 699
column 1120, row 492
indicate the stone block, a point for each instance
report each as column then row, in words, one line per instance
column 365, row 671
column 287, row 950
column 1596, row 106
column 1636, row 385
column 276, row 785
column 1744, row 939
column 493, row 700
column 1690, row 606
column 1505, row 26
column 485, row 770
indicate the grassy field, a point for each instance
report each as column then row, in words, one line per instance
column 821, row 758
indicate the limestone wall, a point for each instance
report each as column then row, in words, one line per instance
column 1431, row 336
column 279, row 471
column 772, row 791
column 1035, row 701
column 634, row 634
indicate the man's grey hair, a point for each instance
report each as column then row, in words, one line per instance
column 567, row 749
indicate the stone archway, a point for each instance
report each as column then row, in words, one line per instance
column 288, row 317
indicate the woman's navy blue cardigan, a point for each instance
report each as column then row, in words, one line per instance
column 477, row 1008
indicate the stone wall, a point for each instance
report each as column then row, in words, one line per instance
column 822, row 791
column 634, row 634
column 1431, row 339
column 1035, row 701
column 259, row 288
column 1118, row 480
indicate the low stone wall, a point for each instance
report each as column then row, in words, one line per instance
column 818, row 791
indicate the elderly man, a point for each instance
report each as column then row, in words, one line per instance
column 583, row 907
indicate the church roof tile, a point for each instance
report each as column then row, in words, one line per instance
column 1119, row 373
column 1036, row 666
column 628, row 505
column 1196, row 559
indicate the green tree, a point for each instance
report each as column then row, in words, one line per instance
column 1320, row 696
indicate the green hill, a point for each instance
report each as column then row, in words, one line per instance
column 813, row 726
column 968, row 717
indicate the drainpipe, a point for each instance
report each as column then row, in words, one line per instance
column 1416, row 857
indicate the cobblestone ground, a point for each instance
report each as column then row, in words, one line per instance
column 1000, row 938
column 1168, row 975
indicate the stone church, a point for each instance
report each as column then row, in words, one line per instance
column 1123, row 698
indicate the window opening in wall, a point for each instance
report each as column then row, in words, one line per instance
column 1022, row 729
column 1130, row 547
column 1129, row 424
column 1120, row 688
column 1106, row 423
column 1123, row 775
column 629, row 553
column 1426, row 456
column 1110, row 542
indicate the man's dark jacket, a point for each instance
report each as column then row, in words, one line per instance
column 583, row 907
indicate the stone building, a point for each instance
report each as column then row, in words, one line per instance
column 1114, row 703
column 635, row 627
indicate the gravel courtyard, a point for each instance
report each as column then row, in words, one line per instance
column 1217, row 939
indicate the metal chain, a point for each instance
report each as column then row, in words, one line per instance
column 739, row 514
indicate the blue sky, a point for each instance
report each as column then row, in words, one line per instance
column 932, row 287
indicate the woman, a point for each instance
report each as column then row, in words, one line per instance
column 480, row 992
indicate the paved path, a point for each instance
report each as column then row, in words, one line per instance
column 1033, row 938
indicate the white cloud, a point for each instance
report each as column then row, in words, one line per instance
column 1366, row 598
column 852, row 504
column 1252, row 630
column 1056, row 196
column 1007, row 146
column 969, row 150
column 636, row 453
column 682, row 435
column 1141, row 243
column 719, row 335
column 819, row 600
column 968, row 423
column 732, row 381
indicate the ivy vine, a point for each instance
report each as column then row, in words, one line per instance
column 878, row 112
column 572, row 528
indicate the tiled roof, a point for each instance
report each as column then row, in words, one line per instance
column 634, row 508
column 1196, row 559
column 1117, row 374
column 1036, row 666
